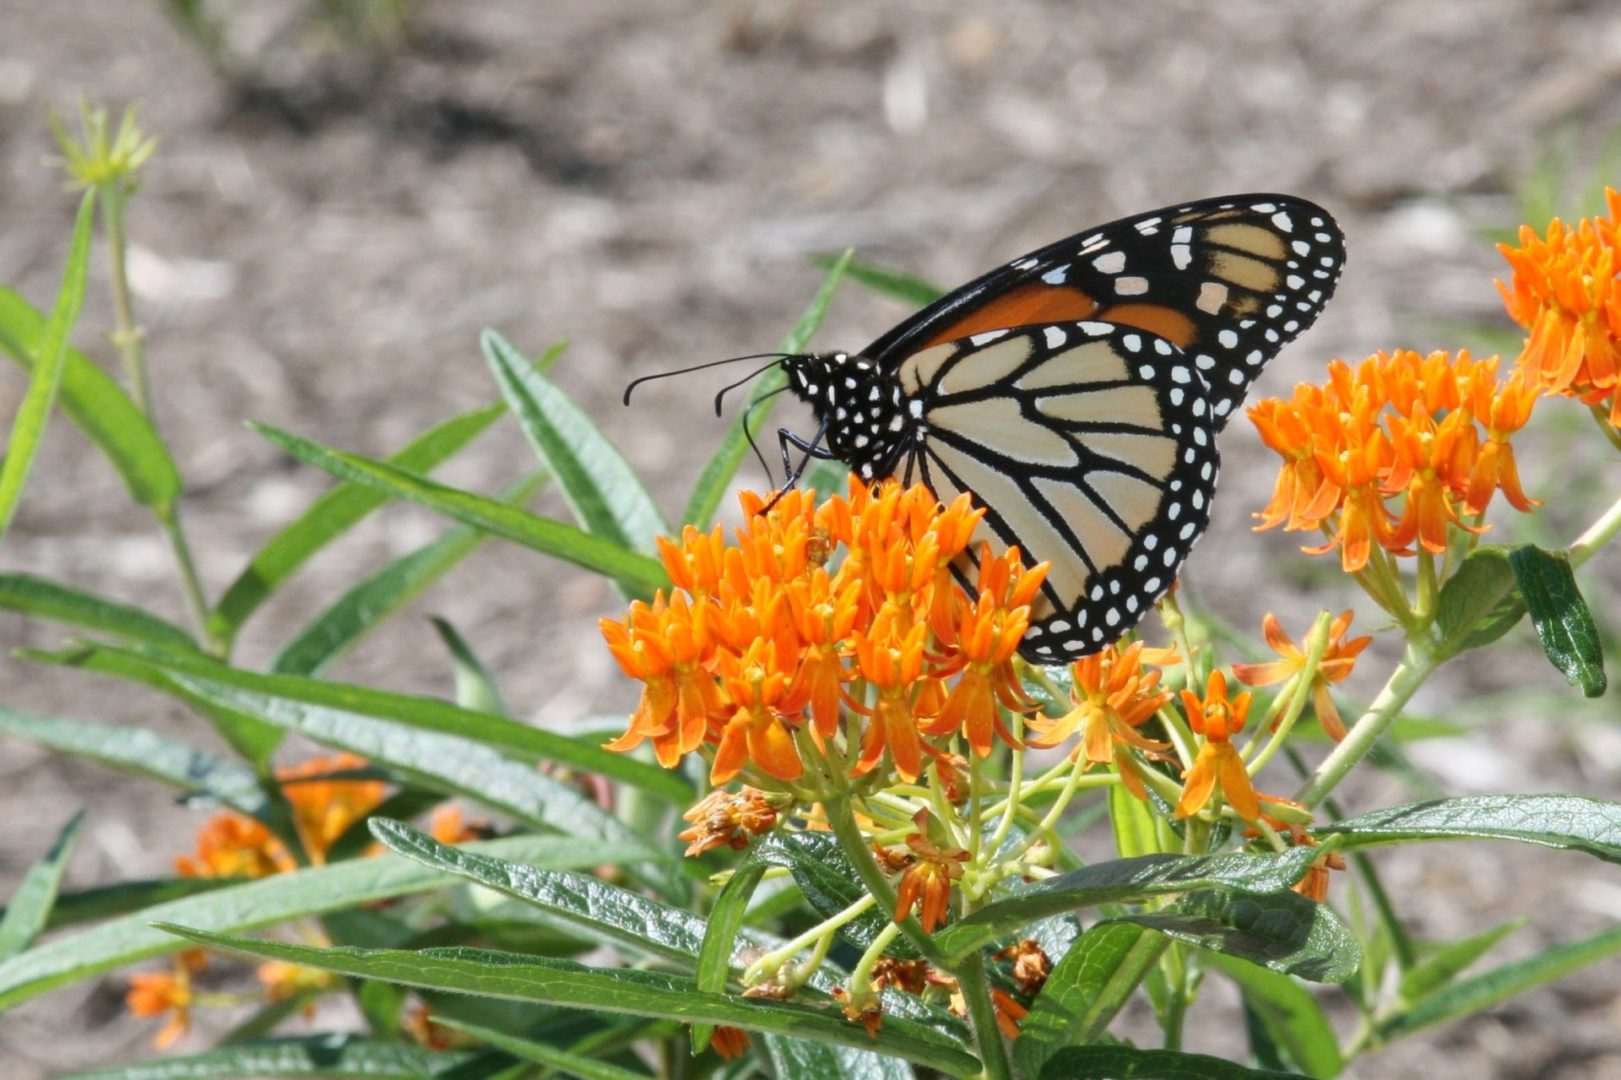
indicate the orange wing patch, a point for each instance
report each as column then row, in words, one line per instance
column 1166, row 322
column 1028, row 305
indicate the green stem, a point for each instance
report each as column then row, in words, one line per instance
column 191, row 582
column 976, row 992
column 1176, row 997
column 855, row 849
column 1602, row 415
column 1596, row 535
column 1316, row 646
column 1420, row 661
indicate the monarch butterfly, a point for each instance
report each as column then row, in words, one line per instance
column 1075, row 393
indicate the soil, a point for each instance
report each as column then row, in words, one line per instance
column 325, row 231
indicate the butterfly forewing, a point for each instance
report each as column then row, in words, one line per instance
column 1228, row 281
column 1092, row 448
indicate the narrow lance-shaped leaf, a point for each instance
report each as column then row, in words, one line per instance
column 332, row 515
column 475, row 686
column 28, row 427
column 1564, row 625
column 329, row 1057
column 628, row 991
column 896, row 284
column 1558, row 821
column 1283, row 931
column 1470, row 996
column 541, row 1053
column 30, row 906
column 426, row 714
column 638, row 573
column 722, row 466
column 1087, row 987
column 1126, row 879
column 1288, row 1012
column 94, row 401
column 125, row 940
column 366, row 604
column 450, row 763
column 48, row 600
column 1129, row 1063
column 598, row 483
column 1443, row 963
column 140, row 752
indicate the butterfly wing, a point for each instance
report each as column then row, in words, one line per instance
column 1090, row 444
column 1228, row 281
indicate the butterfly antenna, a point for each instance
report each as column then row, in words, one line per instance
column 749, row 378
column 748, row 432
column 634, row 383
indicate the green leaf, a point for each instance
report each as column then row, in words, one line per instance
column 270, row 900
column 1125, row 879
column 1127, row 1063
column 718, row 473
column 364, row 605
column 46, row 378
column 895, row 284
column 106, row 901
column 628, row 991
column 821, row 1061
column 606, row 912
column 332, row 515
column 1289, row 1014
column 720, row 938
column 1086, row 989
column 1557, row 821
column 597, row 482
column 1564, row 625
column 1282, row 931
column 475, row 686
column 48, row 600
column 425, row 714
column 95, row 402
column 1445, row 962
column 638, row 573
column 829, row 883
column 586, row 1068
column 338, row 1057
column 1478, row 604
column 1133, row 823
column 30, row 908
column 456, row 764
column 140, row 752
column 1470, row 996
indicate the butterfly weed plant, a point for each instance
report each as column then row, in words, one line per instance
column 837, row 834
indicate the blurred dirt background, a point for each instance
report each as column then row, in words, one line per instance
column 318, row 244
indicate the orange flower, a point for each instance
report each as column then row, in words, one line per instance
column 729, row 1042
column 823, row 619
column 864, row 1009
column 1218, row 719
column 1396, row 426
column 1113, row 696
column 1339, row 657
column 324, row 809
column 170, row 992
column 757, row 730
column 729, row 819
column 987, row 637
column 667, row 646
column 1565, row 292
column 891, row 661
column 696, row 563
column 232, row 845
column 450, row 826
column 1028, row 964
column 926, row 883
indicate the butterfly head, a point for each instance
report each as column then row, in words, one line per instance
column 861, row 409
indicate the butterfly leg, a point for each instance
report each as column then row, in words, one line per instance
column 813, row 449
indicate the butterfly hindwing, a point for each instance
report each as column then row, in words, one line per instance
column 1228, row 281
column 1091, row 446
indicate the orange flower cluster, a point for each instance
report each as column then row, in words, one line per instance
column 1339, row 657
column 1432, row 431
column 233, row 845
column 1218, row 718
column 1566, row 294
column 167, row 993
column 1114, row 694
column 766, row 642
